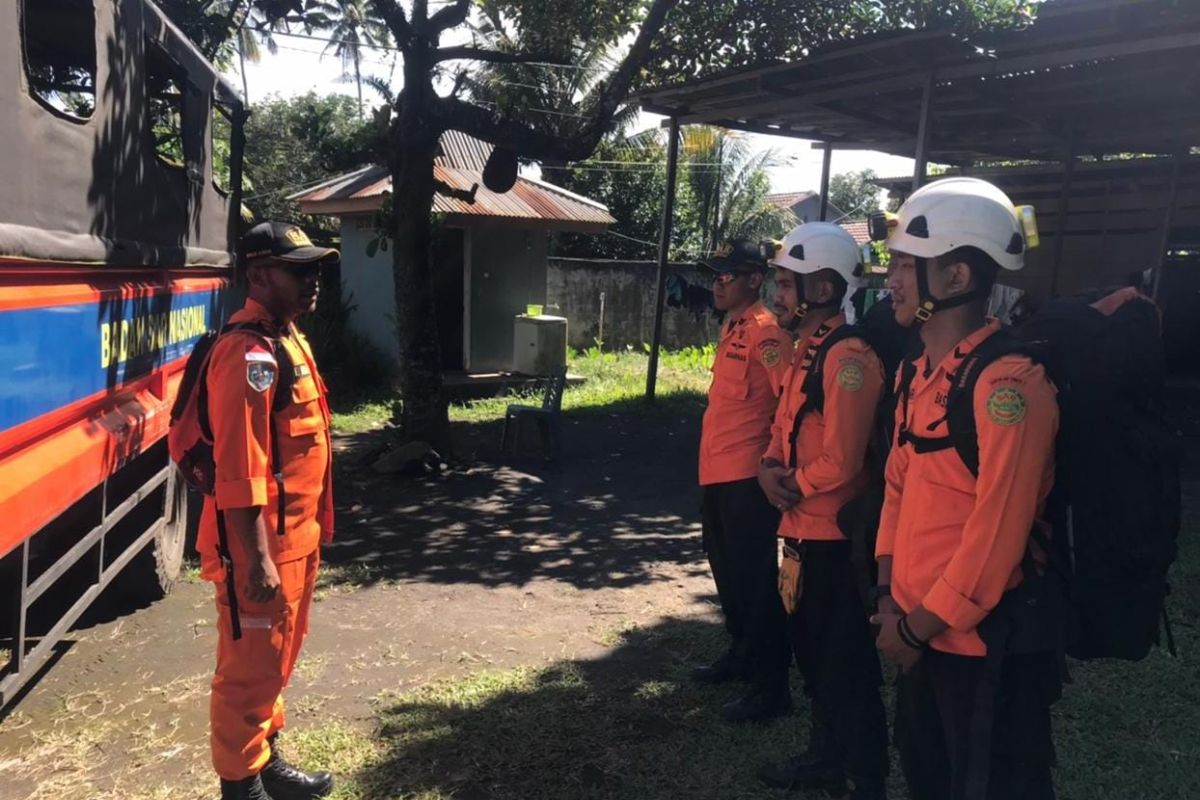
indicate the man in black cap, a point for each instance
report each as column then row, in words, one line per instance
column 739, row 522
column 270, row 511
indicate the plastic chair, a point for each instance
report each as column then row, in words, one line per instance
column 547, row 415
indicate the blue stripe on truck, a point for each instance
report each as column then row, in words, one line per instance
column 53, row 356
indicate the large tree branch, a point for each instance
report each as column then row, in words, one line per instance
column 466, row 52
column 449, row 17
column 446, row 190
column 393, row 16
column 450, row 113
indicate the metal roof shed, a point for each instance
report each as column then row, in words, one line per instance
column 1090, row 77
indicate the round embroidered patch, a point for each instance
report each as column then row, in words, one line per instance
column 1006, row 405
column 770, row 356
column 850, row 377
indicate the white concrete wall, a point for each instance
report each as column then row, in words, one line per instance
column 367, row 284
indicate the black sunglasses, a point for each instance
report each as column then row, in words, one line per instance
column 300, row 271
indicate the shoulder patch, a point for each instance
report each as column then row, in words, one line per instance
column 261, row 368
column 1006, row 405
column 770, row 354
column 851, row 376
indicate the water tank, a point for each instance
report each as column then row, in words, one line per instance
column 539, row 344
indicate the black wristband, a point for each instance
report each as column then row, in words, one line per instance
column 907, row 636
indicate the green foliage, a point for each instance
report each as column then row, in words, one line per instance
column 722, row 193
column 854, row 193
column 709, row 36
column 351, row 364
column 294, row 143
column 628, row 176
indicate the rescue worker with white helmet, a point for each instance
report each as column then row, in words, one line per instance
column 813, row 470
column 972, row 714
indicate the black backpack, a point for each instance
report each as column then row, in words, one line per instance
column 1117, row 487
column 859, row 519
column 190, row 439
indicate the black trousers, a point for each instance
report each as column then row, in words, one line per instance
column 939, row 737
column 835, row 651
column 739, row 539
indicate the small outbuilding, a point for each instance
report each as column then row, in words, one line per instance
column 490, row 256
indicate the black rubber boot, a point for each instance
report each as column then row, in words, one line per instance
column 285, row 782
column 759, row 705
column 733, row 666
column 866, row 790
column 246, row 789
column 807, row 771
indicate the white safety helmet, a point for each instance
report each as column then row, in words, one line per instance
column 814, row 246
column 959, row 212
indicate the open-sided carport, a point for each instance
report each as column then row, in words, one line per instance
column 1091, row 79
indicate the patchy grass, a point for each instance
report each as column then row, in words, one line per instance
column 631, row 726
column 611, row 381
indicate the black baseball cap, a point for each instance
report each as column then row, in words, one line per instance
column 286, row 242
column 737, row 255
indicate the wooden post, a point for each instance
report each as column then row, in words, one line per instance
column 1164, row 241
column 664, row 251
column 922, row 155
column 826, row 163
column 1064, row 206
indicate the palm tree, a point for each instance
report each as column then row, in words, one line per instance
column 352, row 27
column 551, row 98
column 727, row 186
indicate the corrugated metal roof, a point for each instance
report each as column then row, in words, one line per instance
column 463, row 152
column 859, row 229
column 528, row 200
column 789, row 199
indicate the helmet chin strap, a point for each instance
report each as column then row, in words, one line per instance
column 807, row 305
column 927, row 305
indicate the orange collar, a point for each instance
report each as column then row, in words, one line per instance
column 951, row 361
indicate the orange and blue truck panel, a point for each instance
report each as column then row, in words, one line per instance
column 90, row 363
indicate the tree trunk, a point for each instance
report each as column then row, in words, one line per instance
column 242, row 60
column 422, row 415
column 358, row 80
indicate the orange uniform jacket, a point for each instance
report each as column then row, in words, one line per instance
column 830, row 445
column 752, row 359
column 956, row 541
column 240, row 417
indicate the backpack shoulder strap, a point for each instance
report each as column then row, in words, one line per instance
column 816, row 355
column 282, row 398
column 960, row 403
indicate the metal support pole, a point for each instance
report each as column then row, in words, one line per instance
column 664, row 250
column 826, row 163
column 237, row 151
column 1064, row 206
column 922, row 155
column 1164, row 241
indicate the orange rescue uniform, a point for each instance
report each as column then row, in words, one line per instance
column 828, row 450
column 753, row 357
column 957, row 541
column 251, row 672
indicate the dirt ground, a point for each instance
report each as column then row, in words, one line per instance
column 522, row 629
column 489, row 566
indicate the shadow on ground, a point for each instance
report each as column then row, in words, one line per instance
column 620, row 499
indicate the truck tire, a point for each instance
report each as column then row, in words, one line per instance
column 153, row 572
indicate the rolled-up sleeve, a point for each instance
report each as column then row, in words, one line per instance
column 1016, row 414
column 239, row 415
